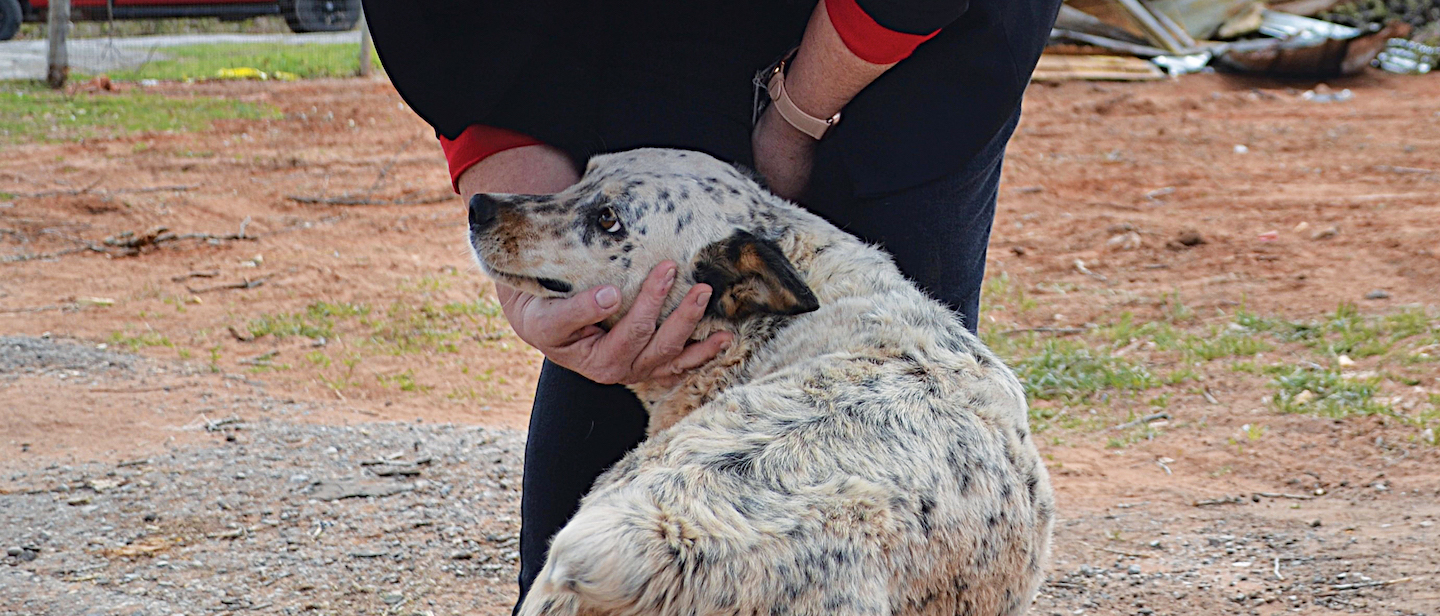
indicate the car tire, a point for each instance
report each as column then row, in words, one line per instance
column 9, row 19
column 319, row 15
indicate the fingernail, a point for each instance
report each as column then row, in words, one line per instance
column 607, row 297
column 725, row 345
column 669, row 277
column 703, row 300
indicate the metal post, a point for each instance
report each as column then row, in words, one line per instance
column 58, row 28
column 366, row 46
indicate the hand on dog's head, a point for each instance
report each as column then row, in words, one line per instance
column 632, row 211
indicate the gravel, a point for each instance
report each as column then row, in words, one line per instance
column 29, row 355
column 249, row 525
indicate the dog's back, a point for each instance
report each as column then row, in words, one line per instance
column 874, row 459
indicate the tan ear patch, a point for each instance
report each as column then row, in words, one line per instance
column 751, row 276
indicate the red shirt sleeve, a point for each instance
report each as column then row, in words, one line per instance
column 868, row 39
column 476, row 144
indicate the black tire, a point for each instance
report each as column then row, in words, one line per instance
column 9, row 19
column 319, row 15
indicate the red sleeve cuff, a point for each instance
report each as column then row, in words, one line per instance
column 476, row 144
column 868, row 39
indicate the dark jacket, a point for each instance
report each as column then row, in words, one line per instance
column 590, row 77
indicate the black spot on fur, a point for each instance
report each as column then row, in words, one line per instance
column 625, row 263
column 1032, row 486
column 927, row 506
column 740, row 463
column 627, row 247
column 614, row 257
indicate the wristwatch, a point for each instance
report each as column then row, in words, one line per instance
column 803, row 122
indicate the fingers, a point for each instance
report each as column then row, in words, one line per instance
column 553, row 322
column 670, row 340
column 694, row 356
column 635, row 330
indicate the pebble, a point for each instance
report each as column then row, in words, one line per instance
column 1134, row 569
column 1378, row 294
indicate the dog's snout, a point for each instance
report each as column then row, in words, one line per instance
column 484, row 211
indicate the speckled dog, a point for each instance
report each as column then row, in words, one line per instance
column 855, row 451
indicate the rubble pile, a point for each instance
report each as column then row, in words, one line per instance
column 1133, row 40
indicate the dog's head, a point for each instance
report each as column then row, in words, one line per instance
column 631, row 211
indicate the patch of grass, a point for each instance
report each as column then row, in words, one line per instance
column 404, row 381
column 29, row 112
column 1331, row 394
column 282, row 61
column 426, row 327
column 1005, row 293
column 317, row 321
column 140, row 341
column 147, row 27
column 1073, row 373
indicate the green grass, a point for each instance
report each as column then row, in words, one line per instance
column 1331, row 394
column 142, row 340
column 1141, row 366
column 31, row 113
column 198, row 62
column 1073, row 373
column 148, row 27
column 317, row 321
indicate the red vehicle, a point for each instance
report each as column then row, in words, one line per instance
column 300, row 15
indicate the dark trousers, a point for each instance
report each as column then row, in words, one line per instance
column 938, row 233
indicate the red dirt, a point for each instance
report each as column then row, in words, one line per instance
column 1090, row 164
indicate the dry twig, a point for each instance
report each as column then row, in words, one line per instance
column 1143, row 420
column 245, row 283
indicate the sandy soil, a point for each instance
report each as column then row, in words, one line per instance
column 1107, row 176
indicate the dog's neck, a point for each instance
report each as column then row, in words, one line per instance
column 818, row 257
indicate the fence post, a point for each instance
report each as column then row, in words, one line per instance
column 366, row 46
column 58, row 27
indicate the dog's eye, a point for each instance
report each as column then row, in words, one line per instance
column 608, row 220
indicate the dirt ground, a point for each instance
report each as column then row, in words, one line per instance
column 270, row 310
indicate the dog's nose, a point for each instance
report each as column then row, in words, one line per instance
column 484, row 210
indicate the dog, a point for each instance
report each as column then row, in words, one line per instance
column 856, row 450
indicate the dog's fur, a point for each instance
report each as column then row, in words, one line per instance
column 855, row 451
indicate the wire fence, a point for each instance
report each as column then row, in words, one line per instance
column 159, row 40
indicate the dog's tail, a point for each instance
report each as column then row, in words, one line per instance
column 546, row 599
column 601, row 562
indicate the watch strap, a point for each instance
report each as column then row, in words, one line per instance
column 803, row 122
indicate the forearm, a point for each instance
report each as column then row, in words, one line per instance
column 826, row 74
column 528, row 170
column 844, row 49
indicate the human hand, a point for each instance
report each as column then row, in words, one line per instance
column 635, row 350
column 784, row 156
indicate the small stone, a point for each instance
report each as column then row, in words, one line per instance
column 15, row 552
column 462, row 555
column 1239, row 597
column 391, row 598
column 1124, row 241
column 1304, row 397
column 1315, row 523
column 1325, row 234
column 1344, row 361
column 1378, row 294
column 1134, row 570
column 78, row 500
column 1190, row 238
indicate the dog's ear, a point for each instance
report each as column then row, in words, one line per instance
column 750, row 276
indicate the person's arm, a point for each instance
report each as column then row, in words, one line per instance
column 844, row 49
